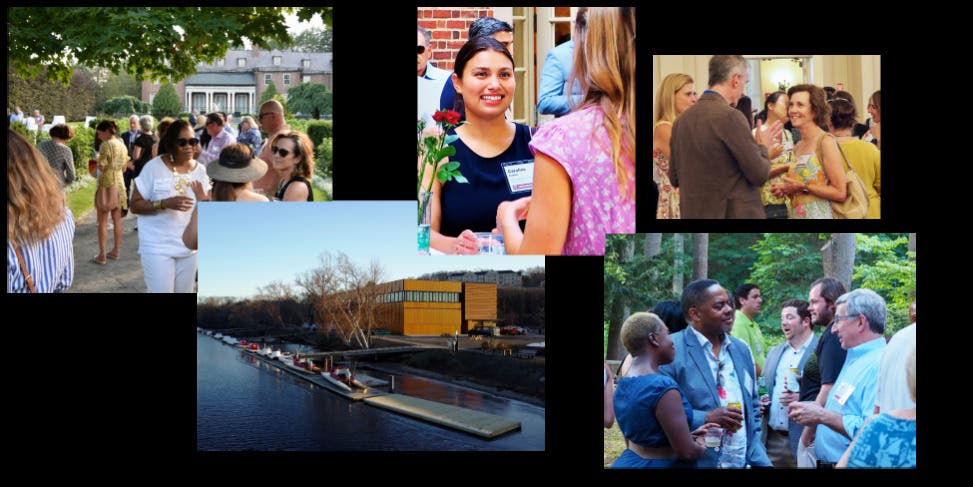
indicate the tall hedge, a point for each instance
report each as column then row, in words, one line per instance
column 319, row 130
column 74, row 101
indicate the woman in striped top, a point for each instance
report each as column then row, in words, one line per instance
column 39, row 224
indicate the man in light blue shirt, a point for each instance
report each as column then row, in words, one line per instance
column 552, row 98
column 431, row 79
column 859, row 324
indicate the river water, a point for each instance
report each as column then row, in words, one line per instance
column 243, row 403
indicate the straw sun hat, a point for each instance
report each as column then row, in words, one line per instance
column 236, row 167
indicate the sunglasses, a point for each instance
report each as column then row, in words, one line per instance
column 192, row 142
column 282, row 152
column 420, row 49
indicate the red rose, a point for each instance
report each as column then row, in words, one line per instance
column 452, row 117
column 439, row 116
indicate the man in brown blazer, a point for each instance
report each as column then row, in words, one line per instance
column 715, row 161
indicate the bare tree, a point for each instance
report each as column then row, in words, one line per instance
column 912, row 242
column 344, row 296
column 700, row 255
column 838, row 257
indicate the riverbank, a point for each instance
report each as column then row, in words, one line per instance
column 501, row 391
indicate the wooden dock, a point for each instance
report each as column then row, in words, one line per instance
column 318, row 380
column 466, row 420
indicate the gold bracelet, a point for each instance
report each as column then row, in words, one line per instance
column 157, row 204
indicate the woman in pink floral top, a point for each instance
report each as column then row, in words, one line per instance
column 676, row 94
column 584, row 166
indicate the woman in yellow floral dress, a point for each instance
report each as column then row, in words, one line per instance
column 112, row 158
column 812, row 184
column 676, row 94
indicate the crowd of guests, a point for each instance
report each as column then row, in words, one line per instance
column 574, row 176
column 801, row 157
column 159, row 175
column 846, row 398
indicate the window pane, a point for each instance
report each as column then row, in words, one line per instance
column 562, row 11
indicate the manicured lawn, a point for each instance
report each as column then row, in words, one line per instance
column 614, row 444
column 319, row 195
column 82, row 200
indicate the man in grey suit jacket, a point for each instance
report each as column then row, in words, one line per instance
column 712, row 369
column 715, row 162
column 782, row 433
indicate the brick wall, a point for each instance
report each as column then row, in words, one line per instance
column 448, row 27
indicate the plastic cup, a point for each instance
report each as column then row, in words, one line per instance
column 735, row 405
column 490, row 243
column 792, row 384
column 713, row 437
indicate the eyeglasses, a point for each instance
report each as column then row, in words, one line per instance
column 262, row 115
column 420, row 49
column 844, row 317
column 192, row 142
column 282, row 152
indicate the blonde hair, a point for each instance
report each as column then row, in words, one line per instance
column 604, row 68
column 636, row 329
column 35, row 202
column 303, row 144
column 666, row 103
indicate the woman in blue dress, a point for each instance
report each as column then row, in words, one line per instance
column 889, row 439
column 651, row 411
column 493, row 152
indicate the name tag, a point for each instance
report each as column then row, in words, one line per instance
column 842, row 392
column 802, row 160
column 519, row 174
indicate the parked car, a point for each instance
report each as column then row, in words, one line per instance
column 485, row 331
column 513, row 330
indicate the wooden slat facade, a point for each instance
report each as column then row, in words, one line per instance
column 479, row 301
column 423, row 285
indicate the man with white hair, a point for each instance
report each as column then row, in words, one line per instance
column 859, row 324
column 715, row 162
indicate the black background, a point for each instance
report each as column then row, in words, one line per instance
column 107, row 382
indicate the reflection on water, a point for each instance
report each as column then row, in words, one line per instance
column 243, row 403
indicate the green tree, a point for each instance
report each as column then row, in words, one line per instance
column 124, row 105
column 886, row 266
column 310, row 98
column 166, row 102
column 115, row 38
column 268, row 93
column 313, row 40
column 283, row 101
column 74, row 101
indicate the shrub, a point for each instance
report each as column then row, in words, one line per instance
column 319, row 130
column 166, row 102
column 323, row 159
column 81, row 146
column 121, row 105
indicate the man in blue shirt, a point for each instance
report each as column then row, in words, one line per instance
column 552, row 98
column 859, row 325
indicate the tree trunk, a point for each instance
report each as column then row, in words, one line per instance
column 912, row 242
column 838, row 257
column 700, row 255
column 653, row 244
column 677, row 276
column 619, row 308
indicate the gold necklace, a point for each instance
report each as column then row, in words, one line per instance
column 180, row 184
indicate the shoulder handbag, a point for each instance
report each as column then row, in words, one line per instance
column 855, row 205
column 106, row 199
column 23, row 269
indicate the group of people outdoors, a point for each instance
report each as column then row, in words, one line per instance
column 34, row 122
column 158, row 175
column 554, row 189
column 846, row 398
column 711, row 158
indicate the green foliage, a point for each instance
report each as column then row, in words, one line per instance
column 314, row 40
column 730, row 257
column 166, row 102
column 641, row 282
column 268, row 93
column 884, row 265
column 207, row 32
column 73, row 101
column 323, row 159
column 115, row 85
column 21, row 129
column 310, row 98
column 283, row 101
column 121, row 105
column 318, row 130
column 81, row 146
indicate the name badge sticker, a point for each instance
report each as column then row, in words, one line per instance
column 843, row 392
column 519, row 174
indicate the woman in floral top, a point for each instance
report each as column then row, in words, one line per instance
column 775, row 108
column 676, row 94
column 810, row 183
